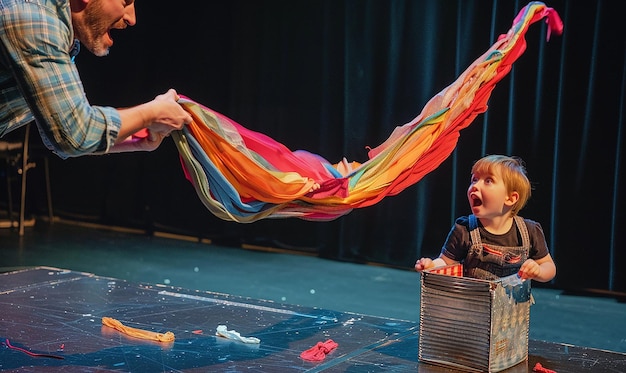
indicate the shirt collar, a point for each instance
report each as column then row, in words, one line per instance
column 75, row 49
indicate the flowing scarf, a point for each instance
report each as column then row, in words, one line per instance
column 244, row 176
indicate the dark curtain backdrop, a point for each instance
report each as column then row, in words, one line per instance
column 334, row 77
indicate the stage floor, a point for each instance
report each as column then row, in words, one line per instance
column 58, row 313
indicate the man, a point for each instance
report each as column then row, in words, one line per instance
column 39, row 81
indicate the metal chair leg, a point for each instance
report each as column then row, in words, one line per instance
column 9, row 195
column 48, row 189
column 24, row 170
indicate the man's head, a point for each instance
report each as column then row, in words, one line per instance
column 93, row 21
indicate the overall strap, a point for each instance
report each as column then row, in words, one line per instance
column 523, row 230
column 473, row 227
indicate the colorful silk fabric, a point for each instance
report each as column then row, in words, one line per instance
column 243, row 176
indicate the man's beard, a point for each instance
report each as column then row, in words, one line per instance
column 93, row 30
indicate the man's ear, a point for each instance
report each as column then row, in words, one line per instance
column 78, row 5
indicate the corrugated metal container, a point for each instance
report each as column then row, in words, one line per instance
column 471, row 324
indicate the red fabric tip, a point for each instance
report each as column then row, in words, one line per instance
column 319, row 351
column 539, row 368
column 141, row 134
column 9, row 345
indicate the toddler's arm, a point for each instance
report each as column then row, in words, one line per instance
column 542, row 270
column 427, row 263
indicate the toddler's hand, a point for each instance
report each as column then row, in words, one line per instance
column 424, row 263
column 529, row 270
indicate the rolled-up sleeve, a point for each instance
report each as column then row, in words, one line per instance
column 38, row 38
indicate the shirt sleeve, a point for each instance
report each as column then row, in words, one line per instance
column 458, row 241
column 538, row 244
column 38, row 40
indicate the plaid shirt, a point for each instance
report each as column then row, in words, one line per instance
column 39, row 81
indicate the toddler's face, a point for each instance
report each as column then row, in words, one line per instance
column 487, row 194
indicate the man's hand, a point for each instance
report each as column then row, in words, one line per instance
column 161, row 115
column 145, row 140
column 169, row 115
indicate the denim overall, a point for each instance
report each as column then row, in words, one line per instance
column 490, row 262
